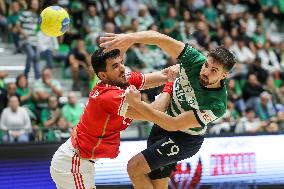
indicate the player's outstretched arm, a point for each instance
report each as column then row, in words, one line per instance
column 159, row 78
column 123, row 41
column 160, row 104
column 183, row 121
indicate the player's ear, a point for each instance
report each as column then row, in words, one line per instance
column 102, row 75
column 225, row 75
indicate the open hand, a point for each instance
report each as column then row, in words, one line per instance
column 112, row 41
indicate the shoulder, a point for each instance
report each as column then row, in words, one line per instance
column 22, row 109
column 190, row 51
column 6, row 110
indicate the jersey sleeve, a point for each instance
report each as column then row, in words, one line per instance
column 114, row 102
column 190, row 56
column 204, row 117
column 136, row 79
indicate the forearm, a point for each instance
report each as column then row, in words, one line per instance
column 162, row 102
column 26, row 97
column 57, row 91
column 166, row 43
column 49, row 123
column 163, row 120
column 155, row 79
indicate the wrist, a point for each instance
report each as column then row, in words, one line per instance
column 168, row 88
column 134, row 38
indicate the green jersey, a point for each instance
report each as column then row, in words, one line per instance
column 188, row 94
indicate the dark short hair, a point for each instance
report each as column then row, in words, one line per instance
column 99, row 59
column 224, row 57
column 249, row 109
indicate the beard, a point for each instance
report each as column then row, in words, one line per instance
column 204, row 81
column 118, row 83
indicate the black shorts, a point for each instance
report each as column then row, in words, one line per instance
column 166, row 148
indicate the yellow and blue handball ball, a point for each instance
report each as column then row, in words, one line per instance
column 54, row 21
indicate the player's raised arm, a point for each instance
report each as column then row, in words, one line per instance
column 124, row 41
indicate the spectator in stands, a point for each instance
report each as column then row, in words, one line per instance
column 109, row 16
column 15, row 120
column 257, row 70
column 250, row 123
column 281, row 54
column 23, row 4
column 76, row 64
column 132, row 7
column 13, row 18
column 28, row 25
column 109, row 27
column 269, row 60
column 259, row 38
column 272, row 89
column 249, row 22
column 228, row 121
column 50, row 115
column 281, row 94
column 171, row 24
column 134, row 26
column 231, row 21
column 25, row 92
column 3, row 22
column 252, row 89
column 45, row 87
column 92, row 24
column 243, row 53
column 202, row 35
column 234, row 92
column 72, row 110
column 47, row 47
column 5, row 94
column 3, row 74
column 144, row 18
column 265, row 109
column 228, row 42
column 280, row 116
column 132, row 61
column 218, row 38
column 122, row 20
column 186, row 26
column 63, row 129
column 210, row 12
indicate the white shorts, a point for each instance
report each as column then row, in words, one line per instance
column 68, row 171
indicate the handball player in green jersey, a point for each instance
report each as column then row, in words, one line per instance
column 198, row 98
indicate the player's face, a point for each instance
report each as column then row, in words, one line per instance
column 115, row 72
column 212, row 73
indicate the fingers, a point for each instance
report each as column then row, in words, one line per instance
column 110, row 34
column 108, row 46
column 104, row 39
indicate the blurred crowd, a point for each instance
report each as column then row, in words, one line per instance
column 253, row 30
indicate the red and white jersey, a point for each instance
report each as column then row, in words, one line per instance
column 97, row 135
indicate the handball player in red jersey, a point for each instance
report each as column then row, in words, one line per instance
column 97, row 135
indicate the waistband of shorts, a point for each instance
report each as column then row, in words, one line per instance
column 75, row 151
